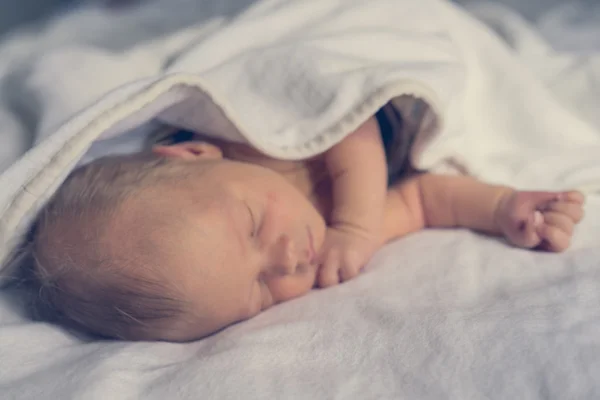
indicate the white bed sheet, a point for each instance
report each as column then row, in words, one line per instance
column 438, row 315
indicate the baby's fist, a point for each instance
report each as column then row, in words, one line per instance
column 343, row 255
column 543, row 220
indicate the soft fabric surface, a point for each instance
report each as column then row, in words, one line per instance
column 436, row 315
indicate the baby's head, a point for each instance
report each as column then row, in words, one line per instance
column 172, row 245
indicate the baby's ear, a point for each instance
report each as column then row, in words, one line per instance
column 189, row 151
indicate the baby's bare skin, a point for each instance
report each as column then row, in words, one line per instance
column 358, row 172
column 540, row 220
column 362, row 203
column 544, row 220
column 347, row 185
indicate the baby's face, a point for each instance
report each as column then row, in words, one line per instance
column 247, row 241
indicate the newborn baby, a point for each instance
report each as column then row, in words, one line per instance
column 200, row 234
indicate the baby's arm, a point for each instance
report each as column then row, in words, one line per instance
column 358, row 171
column 526, row 219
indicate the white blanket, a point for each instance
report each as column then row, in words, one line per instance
column 438, row 315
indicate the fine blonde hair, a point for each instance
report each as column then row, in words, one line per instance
column 83, row 280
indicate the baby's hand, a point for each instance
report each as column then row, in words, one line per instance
column 543, row 220
column 343, row 255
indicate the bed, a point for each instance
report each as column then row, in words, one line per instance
column 436, row 315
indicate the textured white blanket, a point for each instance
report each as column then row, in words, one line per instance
column 438, row 315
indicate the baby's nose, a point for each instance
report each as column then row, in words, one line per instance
column 284, row 259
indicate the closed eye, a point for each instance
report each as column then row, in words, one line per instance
column 253, row 224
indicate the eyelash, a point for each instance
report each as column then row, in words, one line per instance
column 254, row 227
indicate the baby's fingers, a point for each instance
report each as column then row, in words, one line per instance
column 352, row 263
column 554, row 239
column 573, row 211
column 329, row 270
column 573, row 197
column 339, row 266
column 525, row 234
column 558, row 220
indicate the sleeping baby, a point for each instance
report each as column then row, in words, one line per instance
column 180, row 242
